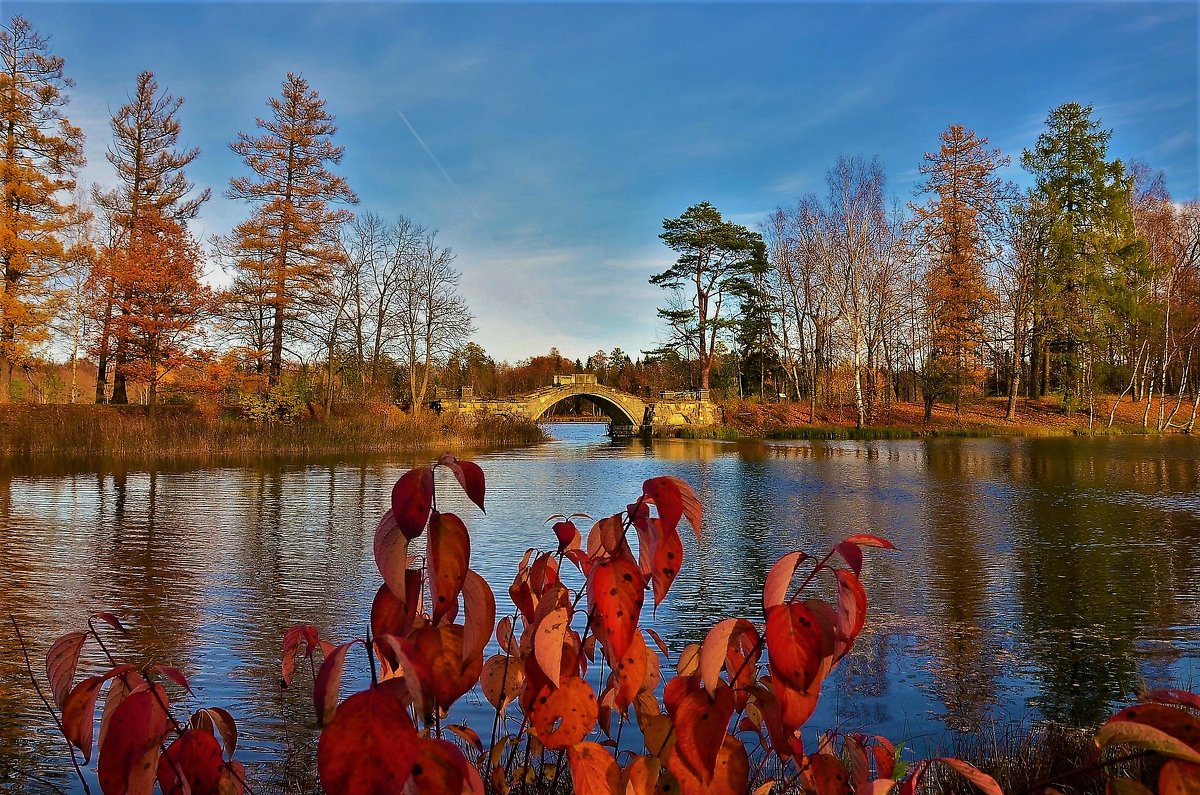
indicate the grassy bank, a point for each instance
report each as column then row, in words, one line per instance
column 177, row 433
column 745, row 419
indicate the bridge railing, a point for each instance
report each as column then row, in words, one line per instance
column 692, row 394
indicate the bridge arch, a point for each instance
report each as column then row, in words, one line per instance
column 622, row 408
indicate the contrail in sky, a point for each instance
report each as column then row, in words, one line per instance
column 436, row 162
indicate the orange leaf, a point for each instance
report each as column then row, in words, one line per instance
column 730, row 777
column 501, row 679
column 642, row 776
column 701, row 723
column 563, row 716
column 616, row 590
column 630, row 672
column 973, row 774
column 394, row 616
column 868, row 540
column 1174, row 721
column 61, row 661
column 593, row 770
column 412, row 500
column 305, row 634
column 479, row 617
column 1179, row 778
column 1126, row 732
column 370, row 747
column 829, row 775
column 548, row 642
column 127, row 758
column 448, row 556
column 716, row 647
column 779, row 579
column 797, row 644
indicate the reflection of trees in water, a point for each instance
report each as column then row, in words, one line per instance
column 1095, row 571
column 965, row 651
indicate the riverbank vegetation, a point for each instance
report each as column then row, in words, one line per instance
column 187, row 433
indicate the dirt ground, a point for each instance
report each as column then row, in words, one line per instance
column 983, row 415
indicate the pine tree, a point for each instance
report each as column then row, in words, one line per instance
column 150, row 169
column 957, row 227
column 1092, row 255
column 289, row 242
column 42, row 152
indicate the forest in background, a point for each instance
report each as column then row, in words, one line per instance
column 1084, row 284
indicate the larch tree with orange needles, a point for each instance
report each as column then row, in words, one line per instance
column 41, row 153
column 149, row 165
column 289, row 243
column 956, row 227
column 160, row 298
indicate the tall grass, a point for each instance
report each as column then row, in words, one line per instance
column 126, row 432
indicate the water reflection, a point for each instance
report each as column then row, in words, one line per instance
column 1043, row 577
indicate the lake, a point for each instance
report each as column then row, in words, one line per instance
column 1036, row 579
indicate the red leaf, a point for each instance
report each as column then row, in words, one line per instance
column 716, row 647
column 1170, row 696
column 391, row 554
column 448, row 555
column 615, row 591
column 593, row 770
column 79, row 709
column 370, row 747
column 630, row 672
column 130, row 750
column 435, row 670
column 61, row 661
column 731, row 775
column 329, row 679
column 219, row 722
column 797, row 643
column 191, row 765
column 974, row 775
column 479, row 617
column 468, row 475
column 392, row 616
column 779, row 579
column 563, row 716
column 1179, row 778
column 412, row 500
column 305, row 634
column 851, row 611
column 121, row 686
column 691, row 505
column 852, row 554
column 868, row 540
column 664, row 492
column 112, row 621
column 568, row 535
column 175, row 675
column 701, row 723
column 439, row 767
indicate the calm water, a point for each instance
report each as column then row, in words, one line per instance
column 1037, row 578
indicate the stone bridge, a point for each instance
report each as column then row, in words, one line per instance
column 625, row 412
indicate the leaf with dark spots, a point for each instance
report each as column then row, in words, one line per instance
column 128, row 757
column 797, row 644
column 666, row 561
column 630, row 673
column 412, row 501
column 664, row 493
column 615, row 591
column 61, row 662
column 448, row 556
column 370, row 746
column 501, row 679
column 593, row 770
column 438, row 767
column 701, row 723
column 191, row 765
column 563, row 716
column 731, row 774
column 829, row 775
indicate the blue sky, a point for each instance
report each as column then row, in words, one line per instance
column 547, row 142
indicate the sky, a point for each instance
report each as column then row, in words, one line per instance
column 547, row 142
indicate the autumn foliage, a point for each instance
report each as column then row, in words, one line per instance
column 598, row 704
